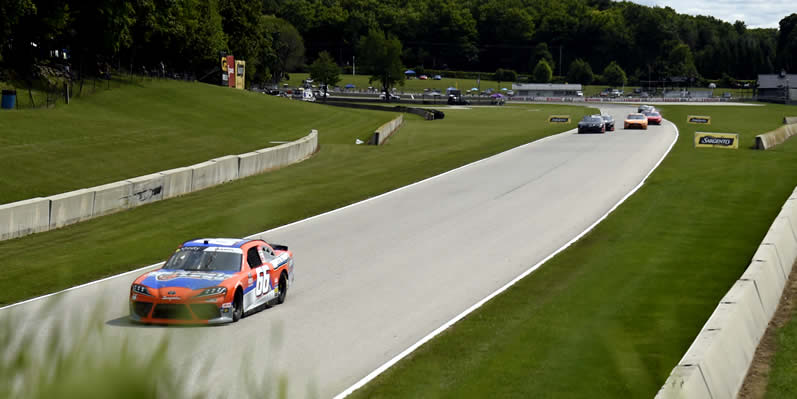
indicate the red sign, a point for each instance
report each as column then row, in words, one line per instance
column 231, row 71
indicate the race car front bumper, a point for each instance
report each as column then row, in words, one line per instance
column 155, row 312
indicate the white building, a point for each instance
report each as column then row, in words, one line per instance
column 545, row 89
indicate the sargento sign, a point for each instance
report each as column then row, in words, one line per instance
column 701, row 120
column 559, row 119
column 721, row 140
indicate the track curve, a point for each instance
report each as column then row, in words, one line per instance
column 375, row 277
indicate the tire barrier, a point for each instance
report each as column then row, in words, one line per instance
column 35, row 215
column 716, row 363
column 778, row 136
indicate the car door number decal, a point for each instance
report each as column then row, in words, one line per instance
column 263, row 285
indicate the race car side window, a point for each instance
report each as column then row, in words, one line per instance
column 252, row 258
column 268, row 253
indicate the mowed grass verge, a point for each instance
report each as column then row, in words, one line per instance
column 612, row 315
column 340, row 174
column 148, row 127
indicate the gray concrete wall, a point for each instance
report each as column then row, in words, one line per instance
column 72, row 207
column 41, row 214
column 778, row 136
column 717, row 362
column 24, row 217
column 385, row 131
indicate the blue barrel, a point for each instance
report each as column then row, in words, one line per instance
column 9, row 99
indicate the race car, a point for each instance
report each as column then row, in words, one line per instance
column 635, row 121
column 654, row 118
column 591, row 124
column 213, row 281
column 608, row 121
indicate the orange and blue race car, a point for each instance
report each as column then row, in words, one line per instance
column 212, row 281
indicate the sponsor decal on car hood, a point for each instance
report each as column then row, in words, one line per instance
column 184, row 278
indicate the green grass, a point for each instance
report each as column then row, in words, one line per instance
column 148, row 127
column 783, row 372
column 340, row 174
column 612, row 315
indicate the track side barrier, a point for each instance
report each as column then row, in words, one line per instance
column 41, row 214
column 385, row 131
column 716, row 363
column 771, row 139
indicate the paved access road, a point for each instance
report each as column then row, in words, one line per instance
column 373, row 278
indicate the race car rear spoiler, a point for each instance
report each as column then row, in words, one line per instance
column 278, row 247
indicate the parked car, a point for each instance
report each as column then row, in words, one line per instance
column 423, row 77
column 437, row 77
column 392, row 98
column 579, row 93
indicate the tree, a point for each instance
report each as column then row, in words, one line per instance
column 680, row 62
column 326, row 71
column 787, row 43
column 247, row 38
column 541, row 53
column 614, row 75
column 580, row 72
column 380, row 55
column 542, row 72
column 287, row 47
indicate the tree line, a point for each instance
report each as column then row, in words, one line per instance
column 570, row 37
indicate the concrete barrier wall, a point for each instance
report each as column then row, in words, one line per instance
column 177, row 182
column 771, row 139
column 146, row 189
column 717, row 362
column 112, row 197
column 41, row 214
column 790, row 120
column 72, row 207
column 24, row 217
column 385, row 131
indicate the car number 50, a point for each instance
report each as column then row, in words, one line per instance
column 263, row 283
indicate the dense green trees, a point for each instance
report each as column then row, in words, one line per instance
column 613, row 75
column 380, row 55
column 580, row 72
column 325, row 71
column 651, row 43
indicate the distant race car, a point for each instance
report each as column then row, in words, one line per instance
column 608, row 121
column 212, row 281
column 591, row 124
column 642, row 108
column 654, row 118
column 635, row 121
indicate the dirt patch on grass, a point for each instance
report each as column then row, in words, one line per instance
column 755, row 383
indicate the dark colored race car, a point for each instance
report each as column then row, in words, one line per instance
column 592, row 124
column 608, row 120
column 212, row 281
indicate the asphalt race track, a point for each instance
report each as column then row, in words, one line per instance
column 374, row 278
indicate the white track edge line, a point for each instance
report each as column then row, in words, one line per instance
column 299, row 221
column 428, row 337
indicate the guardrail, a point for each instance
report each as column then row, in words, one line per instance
column 386, row 130
column 36, row 215
column 716, row 363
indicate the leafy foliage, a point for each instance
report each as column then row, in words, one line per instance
column 580, row 72
column 614, row 75
column 542, row 72
column 325, row 71
column 381, row 57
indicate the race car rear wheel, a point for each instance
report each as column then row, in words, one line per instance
column 283, row 286
column 237, row 306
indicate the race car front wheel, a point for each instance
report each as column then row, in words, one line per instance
column 237, row 307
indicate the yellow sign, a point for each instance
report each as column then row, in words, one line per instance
column 716, row 140
column 224, row 64
column 559, row 119
column 700, row 120
column 240, row 74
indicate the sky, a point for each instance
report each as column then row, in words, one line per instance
column 754, row 13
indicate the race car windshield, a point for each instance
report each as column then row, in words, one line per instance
column 636, row 116
column 200, row 259
column 593, row 120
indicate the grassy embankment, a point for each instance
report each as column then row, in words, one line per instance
column 139, row 129
column 612, row 315
column 341, row 173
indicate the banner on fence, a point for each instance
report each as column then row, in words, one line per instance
column 716, row 140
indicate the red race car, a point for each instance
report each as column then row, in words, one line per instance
column 654, row 117
column 212, row 281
